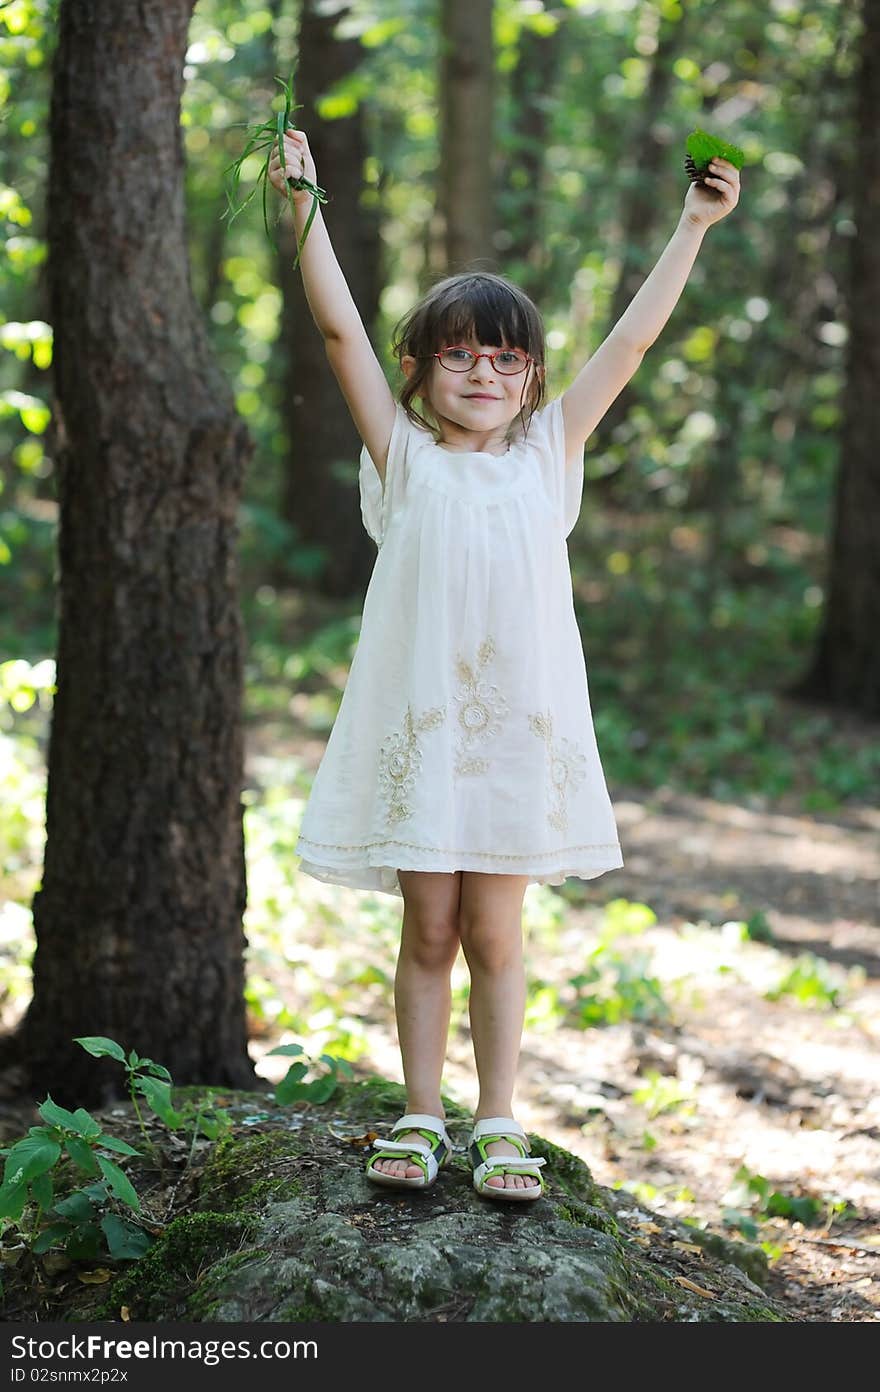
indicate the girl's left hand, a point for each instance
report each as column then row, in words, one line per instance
column 704, row 206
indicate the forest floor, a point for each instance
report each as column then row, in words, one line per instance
column 671, row 1107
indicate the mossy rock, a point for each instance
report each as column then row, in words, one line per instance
column 285, row 1227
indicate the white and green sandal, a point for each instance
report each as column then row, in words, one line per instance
column 430, row 1157
column 503, row 1129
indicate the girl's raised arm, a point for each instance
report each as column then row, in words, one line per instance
column 603, row 378
column 346, row 342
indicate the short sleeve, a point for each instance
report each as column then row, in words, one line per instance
column 378, row 503
column 564, row 487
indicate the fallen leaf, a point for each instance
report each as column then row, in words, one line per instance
column 642, row 1241
column 124, row 1313
column 94, row 1278
column 692, row 1286
column 690, row 1247
column 649, row 1227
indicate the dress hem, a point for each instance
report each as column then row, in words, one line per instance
column 369, row 867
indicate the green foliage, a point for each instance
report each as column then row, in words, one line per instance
column 810, row 982
column 662, row 1093
column 82, row 1221
column 617, row 985
column 703, row 147
column 264, row 137
column 753, row 1197
column 292, row 1088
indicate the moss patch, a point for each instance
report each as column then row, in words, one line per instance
column 159, row 1285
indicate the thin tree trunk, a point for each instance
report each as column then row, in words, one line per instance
column 846, row 668
column 139, row 916
column 640, row 204
column 319, row 495
column 467, row 107
column 521, row 196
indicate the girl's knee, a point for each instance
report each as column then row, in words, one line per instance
column 431, row 941
column 491, row 945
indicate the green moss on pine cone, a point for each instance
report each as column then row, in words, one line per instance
column 703, row 147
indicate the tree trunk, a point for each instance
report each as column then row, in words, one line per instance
column 522, row 193
column 320, row 490
column 846, row 667
column 139, row 916
column 467, row 106
column 640, row 205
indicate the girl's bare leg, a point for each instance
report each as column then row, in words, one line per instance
column 490, row 926
column 422, row 992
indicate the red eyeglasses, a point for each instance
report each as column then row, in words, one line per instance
column 507, row 361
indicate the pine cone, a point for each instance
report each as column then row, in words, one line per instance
column 696, row 176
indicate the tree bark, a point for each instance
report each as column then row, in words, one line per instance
column 521, row 197
column 640, row 205
column 139, row 915
column 320, row 490
column 846, row 667
column 467, row 107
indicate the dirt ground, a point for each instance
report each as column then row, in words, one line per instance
column 787, row 1089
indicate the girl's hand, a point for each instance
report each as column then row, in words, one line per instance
column 705, row 207
column 299, row 162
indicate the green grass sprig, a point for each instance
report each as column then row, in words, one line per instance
column 265, row 137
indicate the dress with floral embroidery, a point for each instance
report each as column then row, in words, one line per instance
column 464, row 739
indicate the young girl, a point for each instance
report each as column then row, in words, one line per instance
column 462, row 765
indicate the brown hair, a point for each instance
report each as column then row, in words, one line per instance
column 478, row 302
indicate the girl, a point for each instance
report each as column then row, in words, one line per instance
column 462, row 765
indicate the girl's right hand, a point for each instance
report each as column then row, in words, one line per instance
column 299, row 162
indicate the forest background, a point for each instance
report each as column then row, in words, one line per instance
column 722, row 564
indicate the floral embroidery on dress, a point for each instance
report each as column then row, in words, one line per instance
column 481, row 709
column 400, row 760
column 567, row 768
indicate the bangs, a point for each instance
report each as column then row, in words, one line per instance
column 487, row 314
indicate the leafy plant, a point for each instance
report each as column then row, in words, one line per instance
column 809, row 981
column 264, row 137
column 83, row 1219
column 660, row 1093
column 318, row 1089
column 153, row 1082
column 755, row 1193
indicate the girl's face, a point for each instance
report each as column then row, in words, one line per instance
column 480, row 402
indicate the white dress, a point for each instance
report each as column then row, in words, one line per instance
column 464, row 739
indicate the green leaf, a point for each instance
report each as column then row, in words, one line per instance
column 121, row 1147
column 322, row 1088
column 77, row 1207
column 81, row 1154
column 158, row 1094
column 57, row 1116
column 32, row 1155
column 119, row 1182
column 290, row 1087
column 84, row 1242
column 13, row 1197
column 86, row 1124
column 43, row 1190
column 49, row 1236
column 98, row 1045
column 156, row 1069
column 288, row 1050
column 125, row 1240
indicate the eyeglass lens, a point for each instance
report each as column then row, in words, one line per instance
column 507, row 360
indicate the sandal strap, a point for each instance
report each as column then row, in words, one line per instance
column 407, row 1147
column 418, row 1121
column 512, row 1162
column 501, row 1129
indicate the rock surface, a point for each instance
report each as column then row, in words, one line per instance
column 283, row 1226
